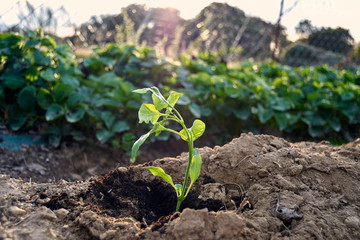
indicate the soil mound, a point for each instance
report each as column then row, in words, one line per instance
column 255, row 187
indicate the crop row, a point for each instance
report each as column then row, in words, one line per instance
column 44, row 86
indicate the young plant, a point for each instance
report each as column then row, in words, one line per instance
column 158, row 113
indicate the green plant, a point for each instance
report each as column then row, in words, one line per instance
column 150, row 113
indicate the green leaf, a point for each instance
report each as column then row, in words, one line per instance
column 173, row 98
column 242, row 113
column 13, row 81
column 178, row 188
column 159, row 172
column 27, row 98
column 77, row 135
column 107, row 102
column 70, row 80
column 48, row 75
column 281, row 105
column 53, row 112
column 120, row 126
column 40, row 58
column 197, row 130
column 75, row 114
column 281, row 120
column 195, row 109
column 103, row 135
column 264, row 114
column 48, row 42
column 75, row 98
column 158, row 103
column 108, row 118
column 31, row 43
column 141, row 90
column 32, row 73
column 335, row 123
column 17, row 122
column 205, row 111
column 313, row 119
column 154, row 90
column 158, row 128
column 137, row 145
column 148, row 112
column 195, row 167
column 62, row 91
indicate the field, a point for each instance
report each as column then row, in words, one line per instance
column 300, row 181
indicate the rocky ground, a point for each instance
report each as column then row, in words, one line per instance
column 255, row 187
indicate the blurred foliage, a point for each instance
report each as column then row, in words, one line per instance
column 44, row 87
column 321, row 100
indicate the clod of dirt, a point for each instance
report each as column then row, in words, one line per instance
column 320, row 181
column 285, row 214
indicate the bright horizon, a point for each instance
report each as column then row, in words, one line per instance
column 321, row 13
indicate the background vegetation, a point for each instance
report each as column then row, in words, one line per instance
column 312, row 94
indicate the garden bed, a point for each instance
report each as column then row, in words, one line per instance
column 255, row 187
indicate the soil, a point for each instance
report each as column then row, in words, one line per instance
column 255, row 187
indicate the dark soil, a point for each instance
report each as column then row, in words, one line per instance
column 74, row 161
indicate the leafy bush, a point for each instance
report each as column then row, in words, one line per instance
column 42, row 84
column 36, row 80
column 323, row 100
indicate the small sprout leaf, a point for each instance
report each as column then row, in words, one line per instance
column 158, row 128
column 151, row 113
column 158, row 94
column 148, row 112
column 195, row 166
column 174, row 97
column 137, row 145
column 178, row 188
column 197, row 130
column 159, row 103
column 159, row 172
column 142, row 90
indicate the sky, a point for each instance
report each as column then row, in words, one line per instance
column 321, row 13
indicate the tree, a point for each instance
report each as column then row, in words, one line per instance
column 305, row 28
column 336, row 40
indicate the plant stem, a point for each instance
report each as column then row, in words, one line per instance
column 190, row 142
column 178, row 205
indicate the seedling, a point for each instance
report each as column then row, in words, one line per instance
column 158, row 114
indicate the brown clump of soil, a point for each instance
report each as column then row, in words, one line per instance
column 255, row 187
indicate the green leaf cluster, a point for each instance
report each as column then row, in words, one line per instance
column 317, row 102
column 158, row 113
